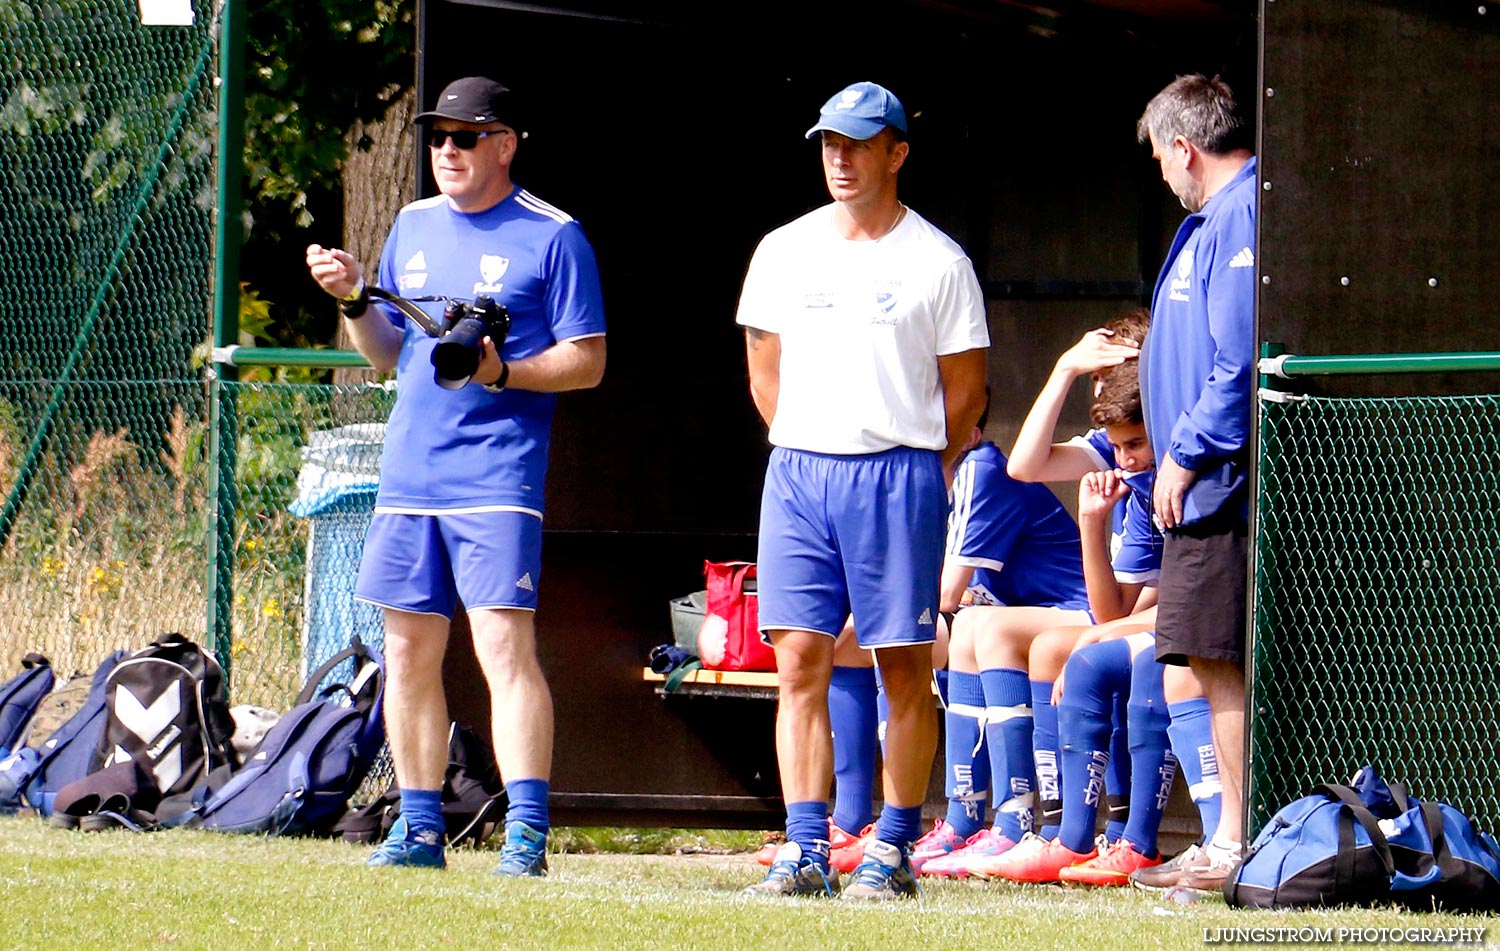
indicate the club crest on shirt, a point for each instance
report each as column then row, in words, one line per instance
column 887, row 296
column 1181, row 282
column 492, row 267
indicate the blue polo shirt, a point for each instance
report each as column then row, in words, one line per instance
column 1198, row 363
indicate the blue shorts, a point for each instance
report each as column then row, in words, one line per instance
column 859, row 535
column 425, row 563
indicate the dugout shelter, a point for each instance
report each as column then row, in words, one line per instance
column 674, row 132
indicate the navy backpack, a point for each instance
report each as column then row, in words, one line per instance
column 1367, row 843
column 301, row 776
column 19, row 698
column 34, row 776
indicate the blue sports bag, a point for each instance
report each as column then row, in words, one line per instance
column 1366, row 843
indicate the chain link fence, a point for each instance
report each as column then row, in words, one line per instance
column 1377, row 602
column 107, row 191
column 107, row 196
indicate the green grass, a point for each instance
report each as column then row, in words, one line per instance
column 180, row 889
column 590, row 839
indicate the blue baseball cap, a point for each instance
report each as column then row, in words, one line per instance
column 860, row 111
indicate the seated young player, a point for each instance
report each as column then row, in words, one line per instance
column 1121, row 572
column 1111, row 662
column 1013, row 552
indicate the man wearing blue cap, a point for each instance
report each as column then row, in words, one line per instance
column 866, row 341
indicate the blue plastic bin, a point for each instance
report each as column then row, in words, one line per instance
column 336, row 492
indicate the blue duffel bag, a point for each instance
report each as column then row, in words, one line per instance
column 1368, row 843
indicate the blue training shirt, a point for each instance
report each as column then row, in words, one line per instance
column 469, row 449
column 1020, row 541
column 1198, row 363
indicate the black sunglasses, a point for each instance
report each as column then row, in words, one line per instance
column 462, row 138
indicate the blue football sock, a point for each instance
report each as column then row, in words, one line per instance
column 1044, row 754
column 423, row 811
column 807, row 825
column 967, row 764
column 1095, row 675
column 1117, row 777
column 882, row 712
column 940, row 681
column 528, row 803
column 899, row 825
column 1192, row 738
column 851, row 711
column 1007, row 734
column 1154, row 765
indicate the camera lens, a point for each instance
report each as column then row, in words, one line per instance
column 456, row 356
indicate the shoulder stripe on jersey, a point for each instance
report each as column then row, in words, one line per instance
column 527, row 200
column 532, row 199
column 420, row 203
column 963, row 507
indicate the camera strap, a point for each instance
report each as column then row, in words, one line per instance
column 417, row 315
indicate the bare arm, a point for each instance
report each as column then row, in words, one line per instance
column 955, row 582
column 763, row 354
column 1035, row 457
column 339, row 274
column 569, row 365
column 1098, row 493
column 963, row 376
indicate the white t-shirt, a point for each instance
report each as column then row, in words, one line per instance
column 862, row 324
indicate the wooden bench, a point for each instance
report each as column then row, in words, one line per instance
column 744, row 685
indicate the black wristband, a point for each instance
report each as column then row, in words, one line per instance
column 500, row 381
column 355, row 309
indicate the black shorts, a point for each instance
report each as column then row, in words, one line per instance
column 1201, row 599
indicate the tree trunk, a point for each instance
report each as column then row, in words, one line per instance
column 377, row 183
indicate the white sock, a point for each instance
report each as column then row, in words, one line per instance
column 1225, row 846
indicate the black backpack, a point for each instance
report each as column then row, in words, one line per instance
column 298, row 780
column 474, row 799
column 165, row 710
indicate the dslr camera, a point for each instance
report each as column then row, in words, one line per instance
column 456, row 356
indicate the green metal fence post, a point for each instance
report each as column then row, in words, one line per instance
column 1256, row 709
column 228, row 228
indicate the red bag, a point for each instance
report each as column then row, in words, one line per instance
column 729, row 639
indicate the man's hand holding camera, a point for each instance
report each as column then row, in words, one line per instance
column 492, row 373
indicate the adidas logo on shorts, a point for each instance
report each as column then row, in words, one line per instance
column 926, row 617
column 524, row 583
